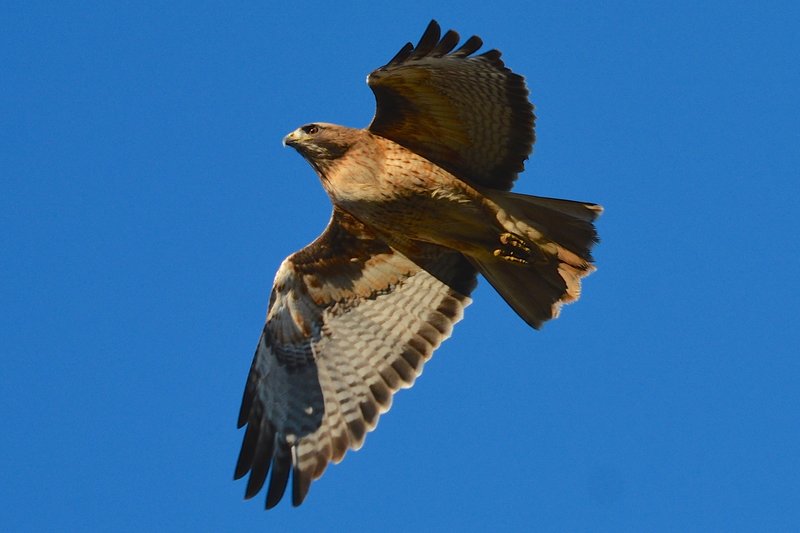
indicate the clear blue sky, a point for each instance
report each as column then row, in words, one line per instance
column 146, row 203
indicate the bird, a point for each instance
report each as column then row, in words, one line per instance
column 421, row 205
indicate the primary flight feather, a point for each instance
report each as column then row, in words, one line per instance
column 420, row 206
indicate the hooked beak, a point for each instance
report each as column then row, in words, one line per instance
column 293, row 138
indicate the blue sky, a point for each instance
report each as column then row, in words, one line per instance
column 147, row 202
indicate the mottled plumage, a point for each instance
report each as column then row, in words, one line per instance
column 421, row 205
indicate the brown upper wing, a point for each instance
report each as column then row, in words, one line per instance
column 350, row 322
column 467, row 113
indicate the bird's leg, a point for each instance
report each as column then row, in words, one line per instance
column 512, row 249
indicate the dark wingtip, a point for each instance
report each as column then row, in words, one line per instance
column 428, row 40
column 447, row 43
column 244, row 411
column 259, row 457
column 492, row 55
column 300, row 485
column 433, row 43
column 245, row 460
column 280, row 475
column 255, row 482
column 402, row 54
column 249, row 393
column 470, row 45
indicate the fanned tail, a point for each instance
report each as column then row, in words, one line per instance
column 538, row 263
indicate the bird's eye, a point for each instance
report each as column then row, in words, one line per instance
column 311, row 129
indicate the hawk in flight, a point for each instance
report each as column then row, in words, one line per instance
column 421, row 204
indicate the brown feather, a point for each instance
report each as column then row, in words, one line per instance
column 426, row 100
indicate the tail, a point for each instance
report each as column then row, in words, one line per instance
column 539, row 262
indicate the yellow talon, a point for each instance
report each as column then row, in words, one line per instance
column 509, row 239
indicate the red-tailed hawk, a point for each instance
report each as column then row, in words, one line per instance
column 420, row 206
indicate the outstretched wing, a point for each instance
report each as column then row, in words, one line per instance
column 467, row 113
column 350, row 322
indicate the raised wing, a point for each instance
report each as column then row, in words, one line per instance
column 350, row 322
column 467, row 113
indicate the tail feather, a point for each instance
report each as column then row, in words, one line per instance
column 565, row 222
column 559, row 235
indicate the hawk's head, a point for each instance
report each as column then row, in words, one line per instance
column 321, row 143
